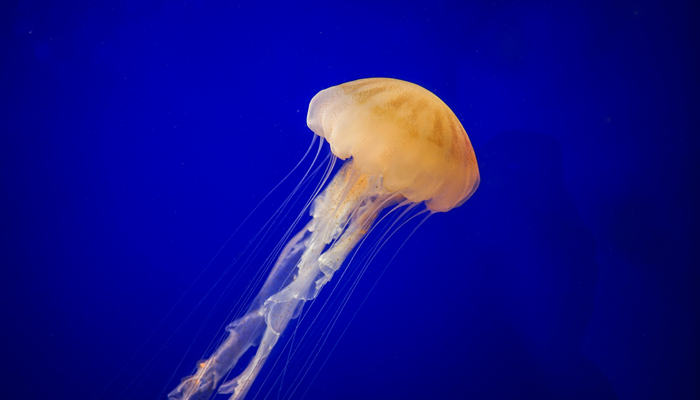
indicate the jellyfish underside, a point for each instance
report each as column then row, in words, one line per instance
column 402, row 145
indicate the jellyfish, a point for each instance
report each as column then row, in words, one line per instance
column 400, row 144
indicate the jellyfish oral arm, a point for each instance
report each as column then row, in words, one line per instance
column 341, row 215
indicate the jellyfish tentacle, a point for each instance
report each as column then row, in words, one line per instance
column 284, row 267
column 209, row 372
column 315, row 268
column 341, row 216
column 279, row 310
column 244, row 332
column 239, row 386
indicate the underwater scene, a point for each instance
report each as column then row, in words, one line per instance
column 349, row 200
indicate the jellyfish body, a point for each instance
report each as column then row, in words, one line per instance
column 404, row 145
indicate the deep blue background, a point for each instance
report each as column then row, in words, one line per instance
column 136, row 137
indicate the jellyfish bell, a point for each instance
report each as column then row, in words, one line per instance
column 402, row 145
column 401, row 132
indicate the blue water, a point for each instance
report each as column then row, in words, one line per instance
column 137, row 136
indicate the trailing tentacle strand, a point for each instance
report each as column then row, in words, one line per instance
column 341, row 215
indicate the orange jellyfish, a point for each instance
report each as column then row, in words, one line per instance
column 401, row 144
